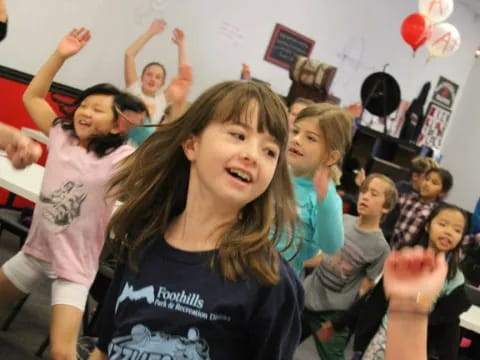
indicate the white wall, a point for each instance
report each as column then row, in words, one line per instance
column 461, row 147
column 358, row 37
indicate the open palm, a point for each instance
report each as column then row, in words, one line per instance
column 179, row 86
column 178, row 36
column 157, row 26
column 177, row 90
column 73, row 42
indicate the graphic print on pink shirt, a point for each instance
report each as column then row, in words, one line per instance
column 63, row 206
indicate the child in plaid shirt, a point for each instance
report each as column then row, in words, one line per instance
column 415, row 208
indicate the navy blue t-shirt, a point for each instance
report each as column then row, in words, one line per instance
column 178, row 307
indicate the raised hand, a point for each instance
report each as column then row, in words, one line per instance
column 185, row 72
column 157, row 26
column 73, row 42
column 414, row 276
column 246, row 73
column 320, row 180
column 360, row 177
column 23, row 151
column 178, row 37
column 179, row 86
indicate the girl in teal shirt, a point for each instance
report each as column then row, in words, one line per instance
column 319, row 138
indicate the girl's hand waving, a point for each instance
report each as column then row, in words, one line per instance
column 73, row 42
column 413, row 278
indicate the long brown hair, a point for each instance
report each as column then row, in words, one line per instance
column 153, row 183
column 336, row 126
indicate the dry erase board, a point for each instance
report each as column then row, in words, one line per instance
column 285, row 45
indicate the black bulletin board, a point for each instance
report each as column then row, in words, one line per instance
column 285, row 45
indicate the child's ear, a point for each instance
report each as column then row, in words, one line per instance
column 333, row 158
column 189, row 146
column 385, row 211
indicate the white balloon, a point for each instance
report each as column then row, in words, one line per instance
column 444, row 41
column 436, row 10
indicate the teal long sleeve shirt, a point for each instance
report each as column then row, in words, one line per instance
column 321, row 222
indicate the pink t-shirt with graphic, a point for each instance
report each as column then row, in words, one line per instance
column 70, row 219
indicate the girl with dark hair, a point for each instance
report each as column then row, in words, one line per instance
column 442, row 233
column 70, row 219
column 201, row 278
column 414, row 208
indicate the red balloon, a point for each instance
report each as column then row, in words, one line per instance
column 416, row 30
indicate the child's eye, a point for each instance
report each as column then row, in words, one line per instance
column 311, row 138
column 294, row 131
column 271, row 153
column 238, row 136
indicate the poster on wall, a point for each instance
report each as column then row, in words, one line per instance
column 394, row 121
column 285, row 45
column 433, row 131
column 445, row 92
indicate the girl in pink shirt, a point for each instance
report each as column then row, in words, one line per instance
column 68, row 227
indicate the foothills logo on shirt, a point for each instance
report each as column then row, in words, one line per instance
column 148, row 294
column 63, row 206
column 186, row 302
column 143, row 344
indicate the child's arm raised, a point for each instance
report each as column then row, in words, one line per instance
column 132, row 51
column 328, row 218
column 34, row 97
column 246, row 73
column 177, row 91
column 413, row 278
column 179, row 40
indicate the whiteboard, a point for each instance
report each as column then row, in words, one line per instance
column 215, row 33
column 358, row 37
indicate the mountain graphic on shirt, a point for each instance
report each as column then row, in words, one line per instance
column 147, row 345
column 129, row 293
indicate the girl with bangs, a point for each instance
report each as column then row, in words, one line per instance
column 68, row 227
column 319, row 139
column 200, row 277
